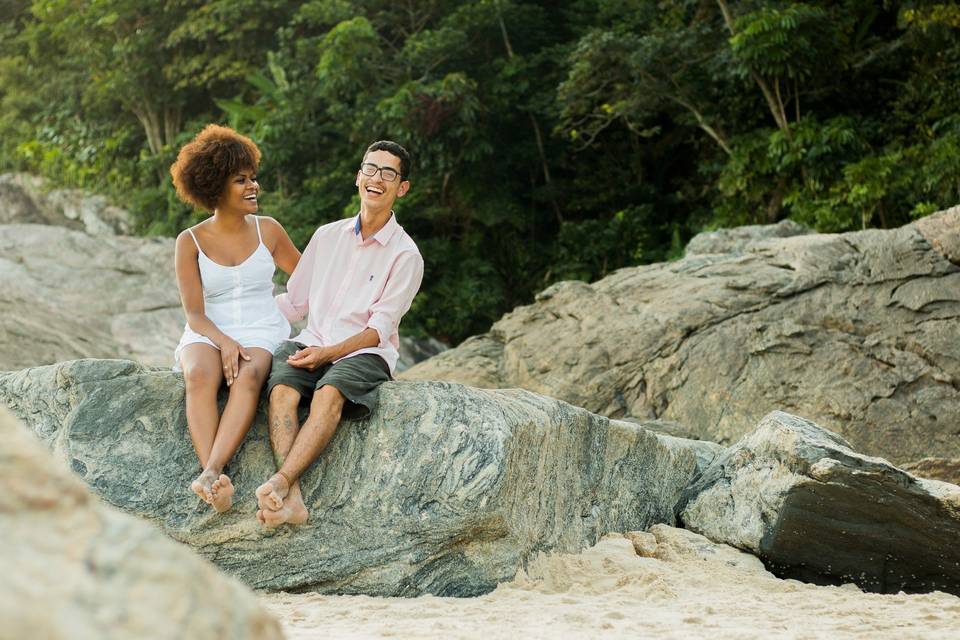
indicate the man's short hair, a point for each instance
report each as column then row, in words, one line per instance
column 205, row 164
column 394, row 148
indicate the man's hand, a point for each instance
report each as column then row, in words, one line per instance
column 311, row 358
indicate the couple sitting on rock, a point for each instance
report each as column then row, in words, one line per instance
column 355, row 280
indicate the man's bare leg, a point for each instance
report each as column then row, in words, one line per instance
column 284, row 426
column 312, row 439
column 202, row 377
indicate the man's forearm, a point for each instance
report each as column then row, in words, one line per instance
column 363, row 340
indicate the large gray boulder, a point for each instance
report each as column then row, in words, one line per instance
column 798, row 497
column 74, row 568
column 444, row 489
column 857, row 331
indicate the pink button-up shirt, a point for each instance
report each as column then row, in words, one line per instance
column 349, row 284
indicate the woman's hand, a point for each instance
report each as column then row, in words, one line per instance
column 230, row 354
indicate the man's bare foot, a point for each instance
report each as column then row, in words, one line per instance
column 293, row 511
column 222, row 491
column 214, row 489
column 271, row 493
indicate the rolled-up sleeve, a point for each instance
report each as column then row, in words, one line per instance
column 295, row 303
column 402, row 286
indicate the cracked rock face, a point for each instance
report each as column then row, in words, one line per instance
column 857, row 331
column 798, row 497
column 73, row 568
column 67, row 294
column 444, row 489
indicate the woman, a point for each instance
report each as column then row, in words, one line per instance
column 225, row 268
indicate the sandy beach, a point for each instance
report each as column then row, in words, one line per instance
column 683, row 586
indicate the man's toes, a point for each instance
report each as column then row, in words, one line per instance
column 260, row 516
column 267, row 497
column 271, row 519
column 262, row 492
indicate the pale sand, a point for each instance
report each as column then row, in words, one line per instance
column 691, row 588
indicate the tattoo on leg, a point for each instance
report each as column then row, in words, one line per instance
column 274, row 427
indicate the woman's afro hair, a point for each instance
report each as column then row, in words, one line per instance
column 205, row 164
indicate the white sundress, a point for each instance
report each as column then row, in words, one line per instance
column 239, row 300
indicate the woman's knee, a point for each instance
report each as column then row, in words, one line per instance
column 200, row 376
column 250, row 377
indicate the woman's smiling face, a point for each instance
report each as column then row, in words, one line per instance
column 240, row 193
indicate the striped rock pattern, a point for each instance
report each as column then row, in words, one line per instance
column 444, row 489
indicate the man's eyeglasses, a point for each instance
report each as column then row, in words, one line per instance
column 387, row 173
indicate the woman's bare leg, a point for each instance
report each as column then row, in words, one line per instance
column 235, row 423
column 202, row 376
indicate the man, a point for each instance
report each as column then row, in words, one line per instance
column 356, row 279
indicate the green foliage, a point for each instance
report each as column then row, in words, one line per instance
column 791, row 41
column 551, row 140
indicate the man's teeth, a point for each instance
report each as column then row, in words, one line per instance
column 250, row 197
column 374, row 190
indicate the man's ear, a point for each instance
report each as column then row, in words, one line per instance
column 404, row 187
column 356, row 181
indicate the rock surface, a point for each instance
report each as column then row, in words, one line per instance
column 742, row 239
column 798, row 497
column 28, row 199
column 443, row 490
column 943, row 469
column 856, row 331
column 67, row 294
column 75, row 568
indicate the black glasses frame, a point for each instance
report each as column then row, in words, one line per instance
column 396, row 174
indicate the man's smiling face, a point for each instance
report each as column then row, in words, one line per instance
column 376, row 193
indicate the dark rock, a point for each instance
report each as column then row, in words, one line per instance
column 799, row 498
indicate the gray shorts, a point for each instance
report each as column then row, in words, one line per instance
column 358, row 378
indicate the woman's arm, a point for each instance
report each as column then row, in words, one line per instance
column 191, row 289
column 285, row 253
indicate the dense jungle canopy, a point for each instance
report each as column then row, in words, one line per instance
column 552, row 140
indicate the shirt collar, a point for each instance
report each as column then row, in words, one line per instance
column 385, row 234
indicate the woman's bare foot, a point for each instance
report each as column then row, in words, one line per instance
column 214, row 489
column 293, row 511
column 222, row 490
column 271, row 493
column 201, row 486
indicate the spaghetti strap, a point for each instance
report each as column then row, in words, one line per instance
column 195, row 240
column 260, row 237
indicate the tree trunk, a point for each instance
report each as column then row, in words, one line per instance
column 773, row 103
column 533, row 121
